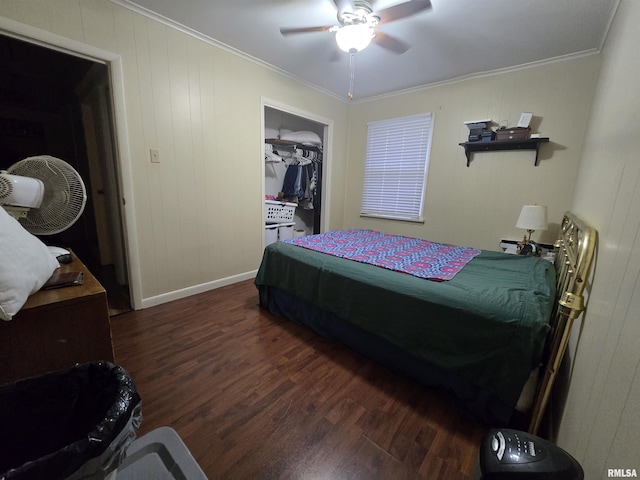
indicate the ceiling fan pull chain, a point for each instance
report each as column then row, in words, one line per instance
column 352, row 59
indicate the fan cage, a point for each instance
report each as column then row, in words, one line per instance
column 6, row 187
column 65, row 195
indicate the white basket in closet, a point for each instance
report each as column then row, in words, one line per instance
column 285, row 231
column 279, row 212
column 270, row 234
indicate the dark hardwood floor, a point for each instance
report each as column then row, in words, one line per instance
column 255, row 396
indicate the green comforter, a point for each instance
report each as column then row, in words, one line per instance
column 487, row 324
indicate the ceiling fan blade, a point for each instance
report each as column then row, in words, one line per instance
column 344, row 6
column 402, row 10
column 292, row 30
column 390, row 43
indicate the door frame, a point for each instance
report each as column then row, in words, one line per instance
column 96, row 105
column 113, row 61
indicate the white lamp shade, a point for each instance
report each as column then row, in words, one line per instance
column 354, row 37
column 533, row 217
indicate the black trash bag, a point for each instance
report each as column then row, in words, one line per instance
column 71, row 424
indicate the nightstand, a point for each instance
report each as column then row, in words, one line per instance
column 56, row 329
column 511, row 247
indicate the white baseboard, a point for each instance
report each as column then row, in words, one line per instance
column 194, row 290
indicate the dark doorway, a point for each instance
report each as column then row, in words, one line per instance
column 43, row 111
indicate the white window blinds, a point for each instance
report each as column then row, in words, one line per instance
column 396, row 166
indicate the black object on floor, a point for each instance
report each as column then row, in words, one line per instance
column 512, row 454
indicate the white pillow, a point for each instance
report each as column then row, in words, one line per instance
column 25, row 264
column 303, row 137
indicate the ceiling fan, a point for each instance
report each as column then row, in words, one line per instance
column 358, row 22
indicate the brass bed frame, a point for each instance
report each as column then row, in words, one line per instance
column 574, row 253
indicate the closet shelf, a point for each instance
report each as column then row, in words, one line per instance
column 277, row 141
column 290, row 144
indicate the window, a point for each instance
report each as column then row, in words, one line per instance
column 396, row 166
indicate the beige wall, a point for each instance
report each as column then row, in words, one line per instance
column 478, row 205
column 196, row 216
column 198, row 213
column 601, row 424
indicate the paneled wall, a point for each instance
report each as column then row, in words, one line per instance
column 195, row 218
column 479, row 204
column 601, row 423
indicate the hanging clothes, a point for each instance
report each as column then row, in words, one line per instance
column 270, row 156
column 294, row 184
column 302, row 182
column 317, row 199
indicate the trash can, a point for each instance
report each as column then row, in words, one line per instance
column 70, row 424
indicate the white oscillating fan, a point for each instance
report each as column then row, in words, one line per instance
column 46, row 194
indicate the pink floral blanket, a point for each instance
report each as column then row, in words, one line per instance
column 421, row 258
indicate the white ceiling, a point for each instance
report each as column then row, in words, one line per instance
column 454, row 39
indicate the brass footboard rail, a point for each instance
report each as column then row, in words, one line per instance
column 574, row 253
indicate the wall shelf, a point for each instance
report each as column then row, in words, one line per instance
column 526, row 144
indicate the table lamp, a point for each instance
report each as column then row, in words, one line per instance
column 532, row 218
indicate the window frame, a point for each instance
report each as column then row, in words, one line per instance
column 412, row 155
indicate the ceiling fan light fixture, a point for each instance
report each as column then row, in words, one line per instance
column 354, row 37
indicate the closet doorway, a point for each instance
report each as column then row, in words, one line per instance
column 296, row 165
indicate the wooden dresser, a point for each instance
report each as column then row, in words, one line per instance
column 56, row 329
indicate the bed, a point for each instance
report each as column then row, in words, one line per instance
column 479, row 334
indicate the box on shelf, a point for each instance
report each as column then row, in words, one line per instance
column 477, row 128
column 516, row 133
column 488, row 136
column 279, row 212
